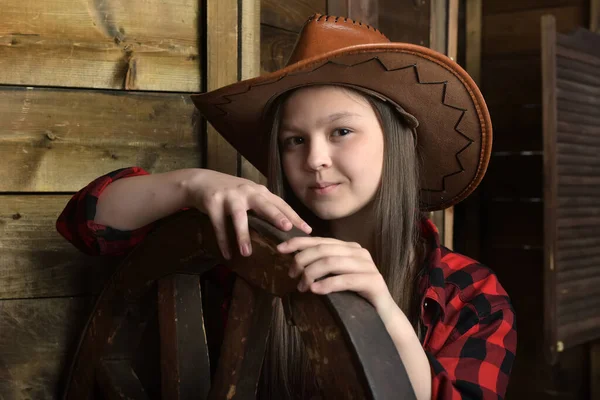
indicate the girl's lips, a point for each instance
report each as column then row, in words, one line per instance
column 324, row 189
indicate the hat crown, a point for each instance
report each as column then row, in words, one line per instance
column 324, row 33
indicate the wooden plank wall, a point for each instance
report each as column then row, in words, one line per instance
column 511, row 196
column 85, row 88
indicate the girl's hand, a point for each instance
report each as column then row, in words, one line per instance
column 351, row 266
column 220, row 195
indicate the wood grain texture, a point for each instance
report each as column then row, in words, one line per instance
column 576, row 144
column 145, row 45
column 36, row 261
column 519, row 32
column 222, row 69
column 276, row 48
column 59, row 140
column 36, row 342
column 290, row 14
column 250, row 66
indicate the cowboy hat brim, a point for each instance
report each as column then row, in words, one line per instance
column 454, row 135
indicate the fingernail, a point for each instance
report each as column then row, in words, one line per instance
column 306, row 228
column 226, row 255
column 286, row 224
column 246, row 249
column 301, row 287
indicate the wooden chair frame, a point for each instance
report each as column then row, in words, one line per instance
column 351, row 351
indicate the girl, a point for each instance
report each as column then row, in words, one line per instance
column 357, row 136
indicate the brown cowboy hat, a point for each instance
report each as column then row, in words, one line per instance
column 454, row 132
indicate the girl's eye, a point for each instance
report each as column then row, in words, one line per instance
column 341, row 132
column 292, row 141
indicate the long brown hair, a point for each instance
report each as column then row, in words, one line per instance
column 398, row 253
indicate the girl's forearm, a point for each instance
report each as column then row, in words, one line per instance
column 409, row 347
column 134, row 202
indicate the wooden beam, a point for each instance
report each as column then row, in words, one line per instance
column 365, row 11
column 438, row 26
column 553, row 345
column 250, row 46
column 222, row 69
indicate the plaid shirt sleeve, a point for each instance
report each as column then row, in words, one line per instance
column 470, row 328
column 76, row 222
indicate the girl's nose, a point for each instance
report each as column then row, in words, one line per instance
column 318, row 156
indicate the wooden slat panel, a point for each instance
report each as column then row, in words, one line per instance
column 60, row 140
column 574, row 155
column 290, row 14
column 36, row 261
column 519, row 32
column 146, row 45
column 37, row 340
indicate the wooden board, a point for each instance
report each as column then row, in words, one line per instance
column 519, row 32
column 290, row 14
column 37, row 340
column 222, row 69
column 276, row 48
column 571, row 186
column 59, row 140
column 144, row 45
column 36, row 261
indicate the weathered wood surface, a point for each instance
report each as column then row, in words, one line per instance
column 186, row 244
column 222, row 70
column 185, row 366
column 117, row 44
column 276, row 48
column 35, row 260
column 572, row 139
column 37, row 341
column 59, row 140
column 290, row 15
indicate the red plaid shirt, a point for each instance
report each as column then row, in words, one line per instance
column 469, row 327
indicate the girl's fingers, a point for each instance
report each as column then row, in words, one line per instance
column 217, row 218
column 366, row 285
column 336, row 265
column 270, row 212
column 302, row 243
column 332, row 254
column 292, row 216
column 239, row 216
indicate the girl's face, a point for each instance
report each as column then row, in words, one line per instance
column 331, row 146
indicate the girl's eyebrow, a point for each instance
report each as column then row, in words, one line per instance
column 328, row 119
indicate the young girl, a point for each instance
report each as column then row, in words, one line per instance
column 357, row 136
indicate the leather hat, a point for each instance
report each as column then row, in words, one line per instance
column 454, row 132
